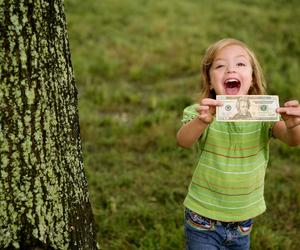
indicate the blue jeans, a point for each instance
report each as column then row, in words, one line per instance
column 203, row 233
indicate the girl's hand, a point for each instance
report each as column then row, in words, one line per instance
column 207, row 109
column 290, row 113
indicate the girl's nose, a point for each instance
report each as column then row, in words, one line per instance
column 230, row 69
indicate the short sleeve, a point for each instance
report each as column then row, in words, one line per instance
column 189, row 113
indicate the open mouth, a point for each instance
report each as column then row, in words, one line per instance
column 232, row 86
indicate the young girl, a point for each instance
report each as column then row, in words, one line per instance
column 227, row 187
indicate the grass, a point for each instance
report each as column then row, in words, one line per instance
column 136, row 65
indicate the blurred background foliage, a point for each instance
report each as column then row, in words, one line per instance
column 136, row 65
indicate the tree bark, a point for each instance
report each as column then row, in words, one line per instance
column 44, row 201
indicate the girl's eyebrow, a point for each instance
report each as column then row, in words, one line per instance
column 238, row 56
column 241, row 56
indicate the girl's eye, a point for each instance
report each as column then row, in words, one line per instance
column 219, row 66
column 241, row 64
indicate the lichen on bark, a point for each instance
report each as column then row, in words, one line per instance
column 44, row 198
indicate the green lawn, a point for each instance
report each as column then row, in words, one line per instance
column 136, row 65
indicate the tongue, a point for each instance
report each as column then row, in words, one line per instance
column 232, row 91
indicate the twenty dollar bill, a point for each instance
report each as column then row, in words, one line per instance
column 238, row 108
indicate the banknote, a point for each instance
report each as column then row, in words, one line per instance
column 238, row 108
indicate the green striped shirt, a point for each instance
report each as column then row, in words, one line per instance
column 228, row 183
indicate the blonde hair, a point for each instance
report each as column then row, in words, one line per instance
column 259, row 85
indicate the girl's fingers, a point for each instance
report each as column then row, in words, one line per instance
column 210, row 102
column 293, row 112
column 205, row 117
column 203, row 108
column 289, row 111
column 281, row 110
column 293, row 103
column 205, row 113
column 206, row 110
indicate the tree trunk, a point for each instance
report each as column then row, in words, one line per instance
column 44, row 201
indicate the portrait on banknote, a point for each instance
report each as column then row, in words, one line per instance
column 243, row 107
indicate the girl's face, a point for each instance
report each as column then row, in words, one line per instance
column 231, row 71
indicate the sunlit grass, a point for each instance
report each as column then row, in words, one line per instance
column 136, row 64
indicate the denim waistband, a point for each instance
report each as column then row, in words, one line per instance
column 217, row 222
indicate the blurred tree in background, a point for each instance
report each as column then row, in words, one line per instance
column 44, row 201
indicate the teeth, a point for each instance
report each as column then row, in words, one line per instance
column 231, row 80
